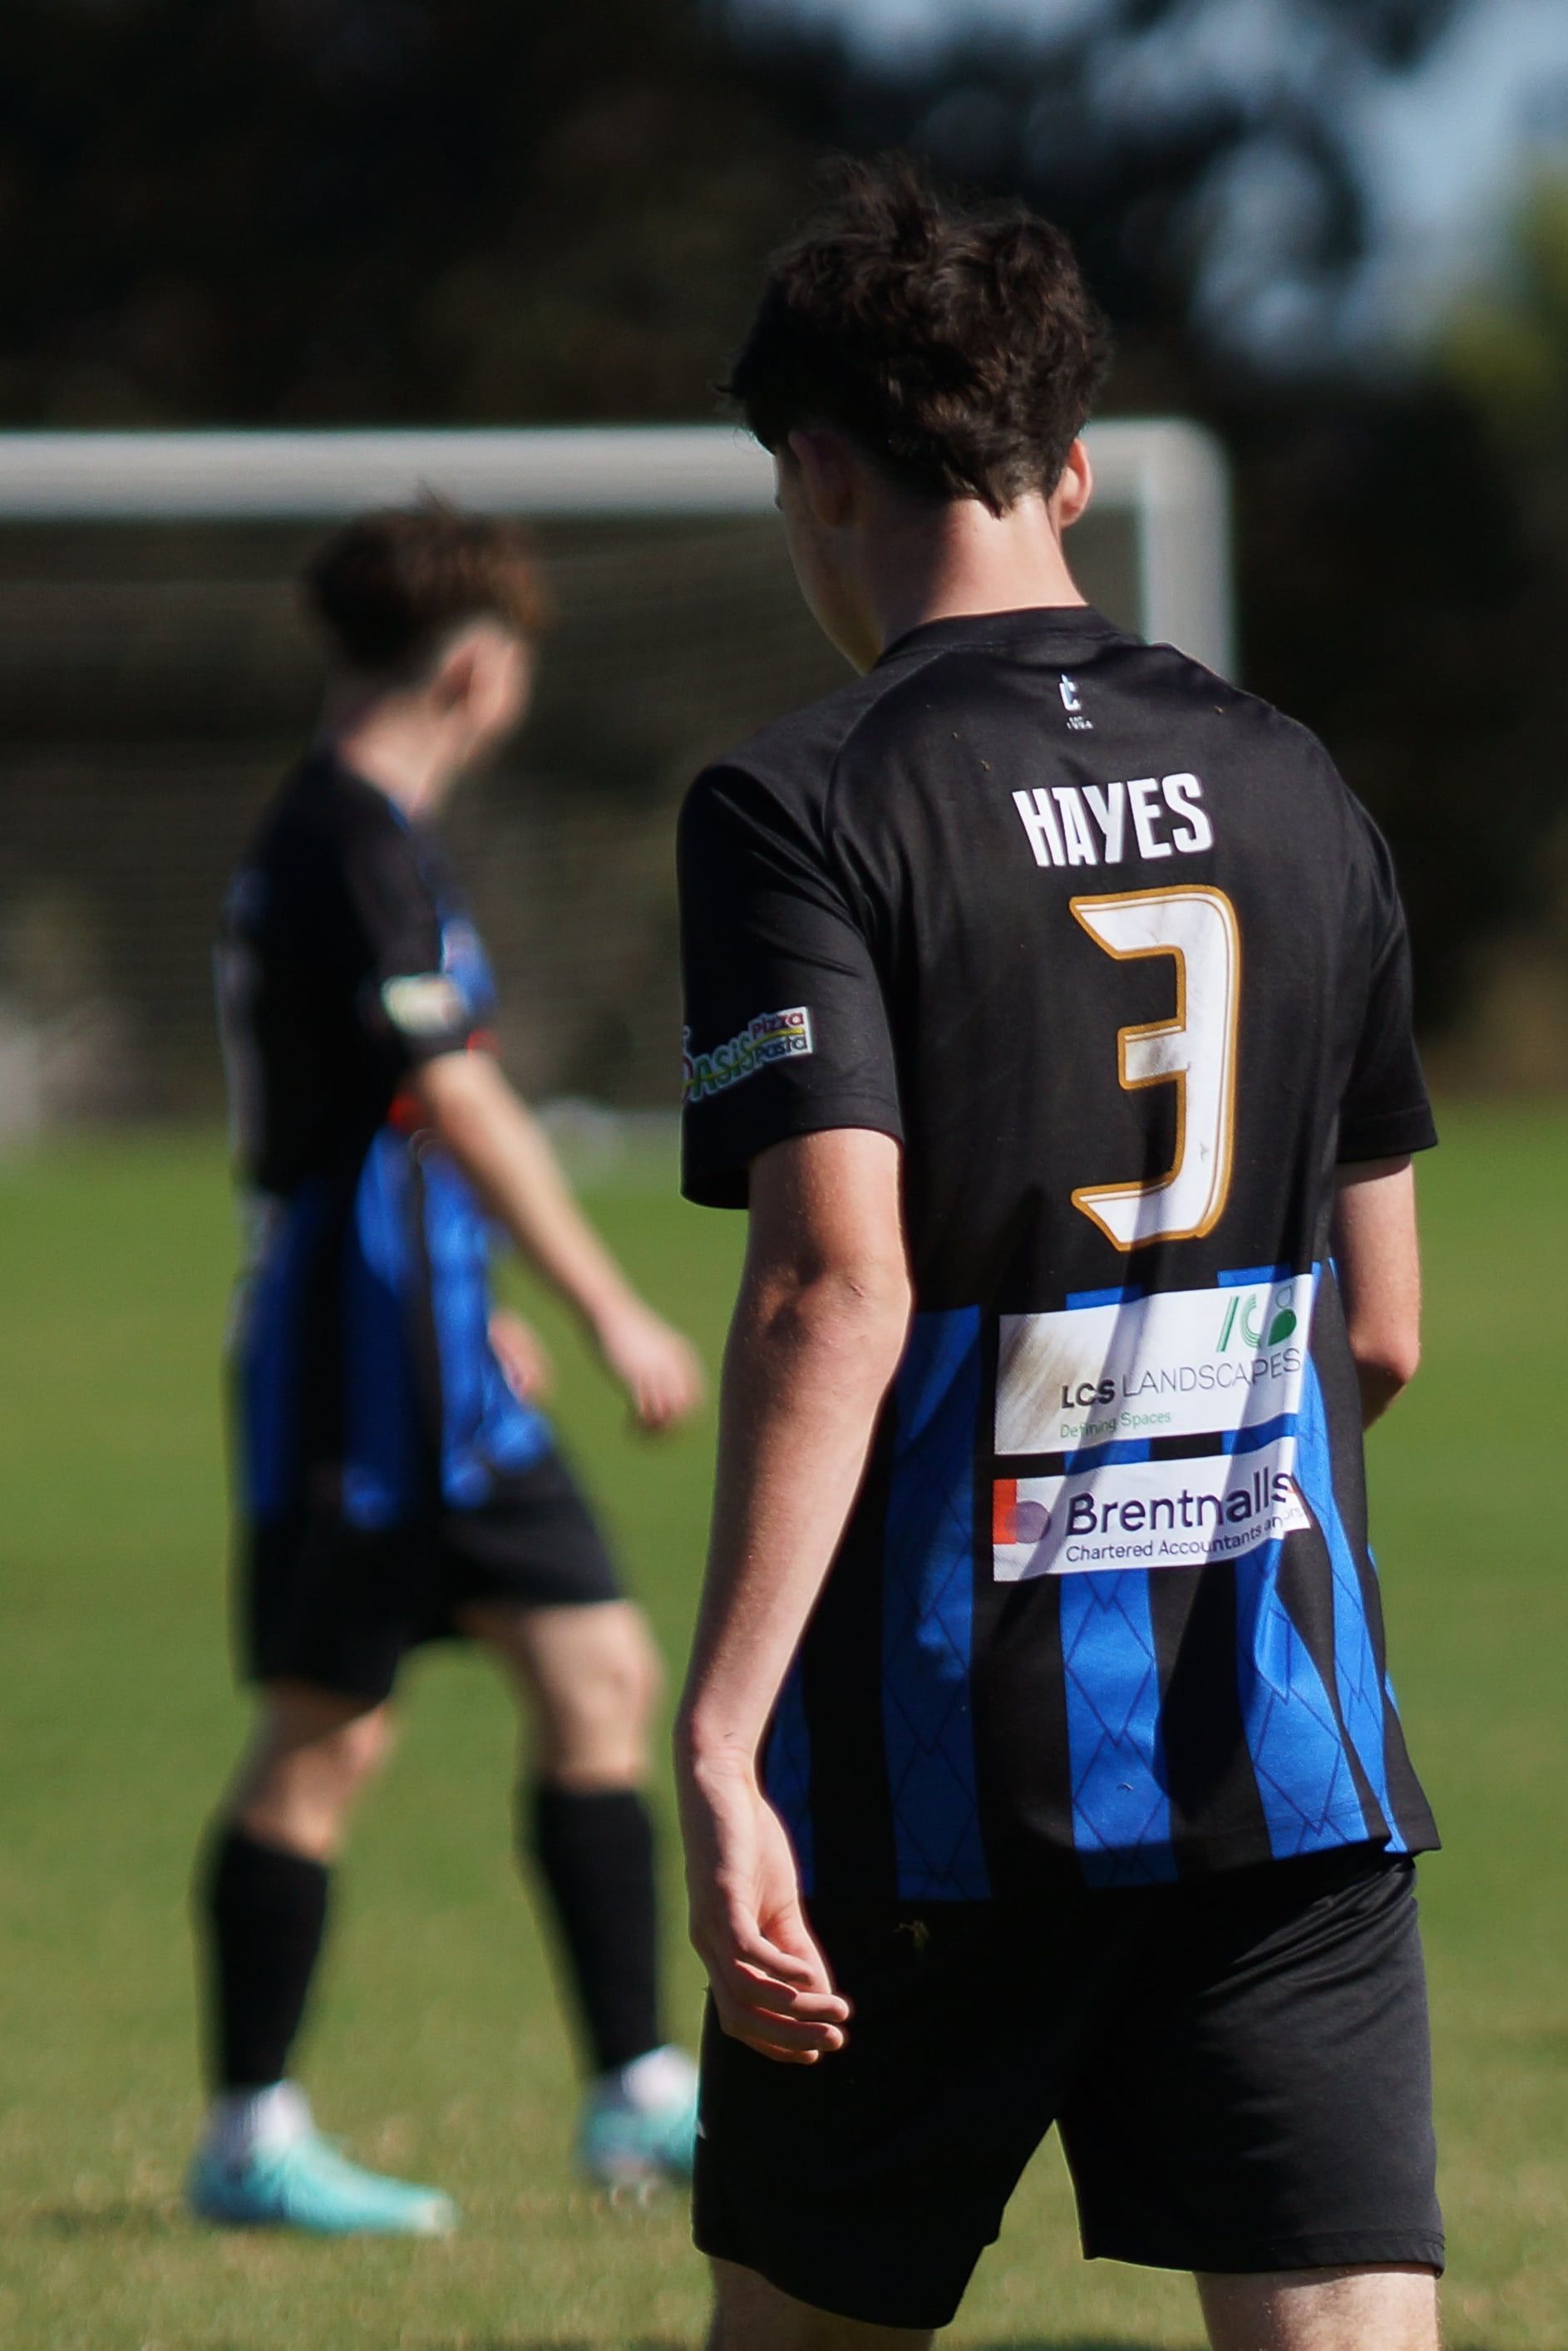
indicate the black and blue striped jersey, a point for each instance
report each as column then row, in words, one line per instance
column 1112, row 951
column 367, row 1390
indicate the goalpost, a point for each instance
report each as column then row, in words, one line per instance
column 155, row 679
column 1167, row 476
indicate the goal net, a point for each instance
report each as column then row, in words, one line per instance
column 156, row 680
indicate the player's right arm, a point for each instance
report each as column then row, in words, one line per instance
column 809, row 1138
column 423, row 1025
column 819, row 1325
column 499, row 1146
column 1377, row 1256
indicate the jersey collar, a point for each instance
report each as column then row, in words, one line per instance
column 1076, row 624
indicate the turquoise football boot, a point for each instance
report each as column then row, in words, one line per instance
column 630, row 2141
column 307, row 2185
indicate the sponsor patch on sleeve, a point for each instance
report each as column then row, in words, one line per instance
column 770, row 1037
column 425, row 1004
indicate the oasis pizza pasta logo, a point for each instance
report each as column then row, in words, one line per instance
column 770, row 1037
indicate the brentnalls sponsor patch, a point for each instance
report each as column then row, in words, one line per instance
column 770, row 1036
column 425, row 1004
column 1147, row 1514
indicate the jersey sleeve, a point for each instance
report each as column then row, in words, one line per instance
column 1385, row 1111
column 786, row 1023
column 411, row 1007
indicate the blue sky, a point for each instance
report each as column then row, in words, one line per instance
column 1447, row 148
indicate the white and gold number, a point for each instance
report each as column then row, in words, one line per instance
column 1195, row 1053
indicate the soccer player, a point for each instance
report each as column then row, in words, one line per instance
column 397, row 1482
column 1049, row 1009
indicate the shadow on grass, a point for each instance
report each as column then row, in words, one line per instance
column 148, row 2216
column 667, row 2343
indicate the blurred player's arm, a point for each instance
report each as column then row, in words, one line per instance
column 1377, row 1254
column 503, row 1151
column 522, row 1354
column 818, row 1329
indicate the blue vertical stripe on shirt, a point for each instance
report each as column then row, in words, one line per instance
column 1356, row 1676
column 928, row 1605
column 1121, row 1803
column 486, row 1427
column 383, row 1456
column 1303, row 1775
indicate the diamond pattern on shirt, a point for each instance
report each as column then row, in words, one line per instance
column 928, row 1602
column 1121, row 1804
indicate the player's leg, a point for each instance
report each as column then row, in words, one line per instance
column 589, row 1677
column 313, row 1754
column 263, row 1899
column 749, row 2315
column 1374, row 2309
column 265, row 1889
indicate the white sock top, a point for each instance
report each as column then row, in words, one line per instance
column 652, row 2084
column 258, row 2122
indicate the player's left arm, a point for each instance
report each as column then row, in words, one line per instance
column 1385, row 1118
column 818, row 1329
column 1377, row 1256
column 507, row 1156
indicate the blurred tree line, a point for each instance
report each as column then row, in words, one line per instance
column 352, row 211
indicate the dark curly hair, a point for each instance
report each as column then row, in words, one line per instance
column 956, row 344
column 387, row 587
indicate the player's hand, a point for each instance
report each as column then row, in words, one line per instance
column 522, row 1354
column 770, row 1984
column 658, row 1369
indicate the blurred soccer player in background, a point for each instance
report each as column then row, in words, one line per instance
column 397, row 1482
column 1049, row 1009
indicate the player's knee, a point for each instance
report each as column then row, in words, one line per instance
column 595, row 1720
column 331, row 1763
column 305, row 1774
column 642, row 1674
column 359, row 1750
column 619, row 1680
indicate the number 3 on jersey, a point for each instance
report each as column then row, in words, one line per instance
column 1195, row 1053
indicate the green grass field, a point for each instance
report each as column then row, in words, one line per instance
column 437, row 2046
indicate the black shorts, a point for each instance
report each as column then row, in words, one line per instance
column 1239, row 2068
column 340, row 1606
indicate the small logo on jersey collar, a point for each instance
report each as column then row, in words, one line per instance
column 1077, row 719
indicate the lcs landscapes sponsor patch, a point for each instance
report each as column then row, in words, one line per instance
column 770, row 1036
column 1145, row 1514
column 1184, row 1363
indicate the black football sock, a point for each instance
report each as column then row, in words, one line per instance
column 262, row 1919
column 595, row 1854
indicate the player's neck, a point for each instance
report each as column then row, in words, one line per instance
column 388, row 741
column 957, row 561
